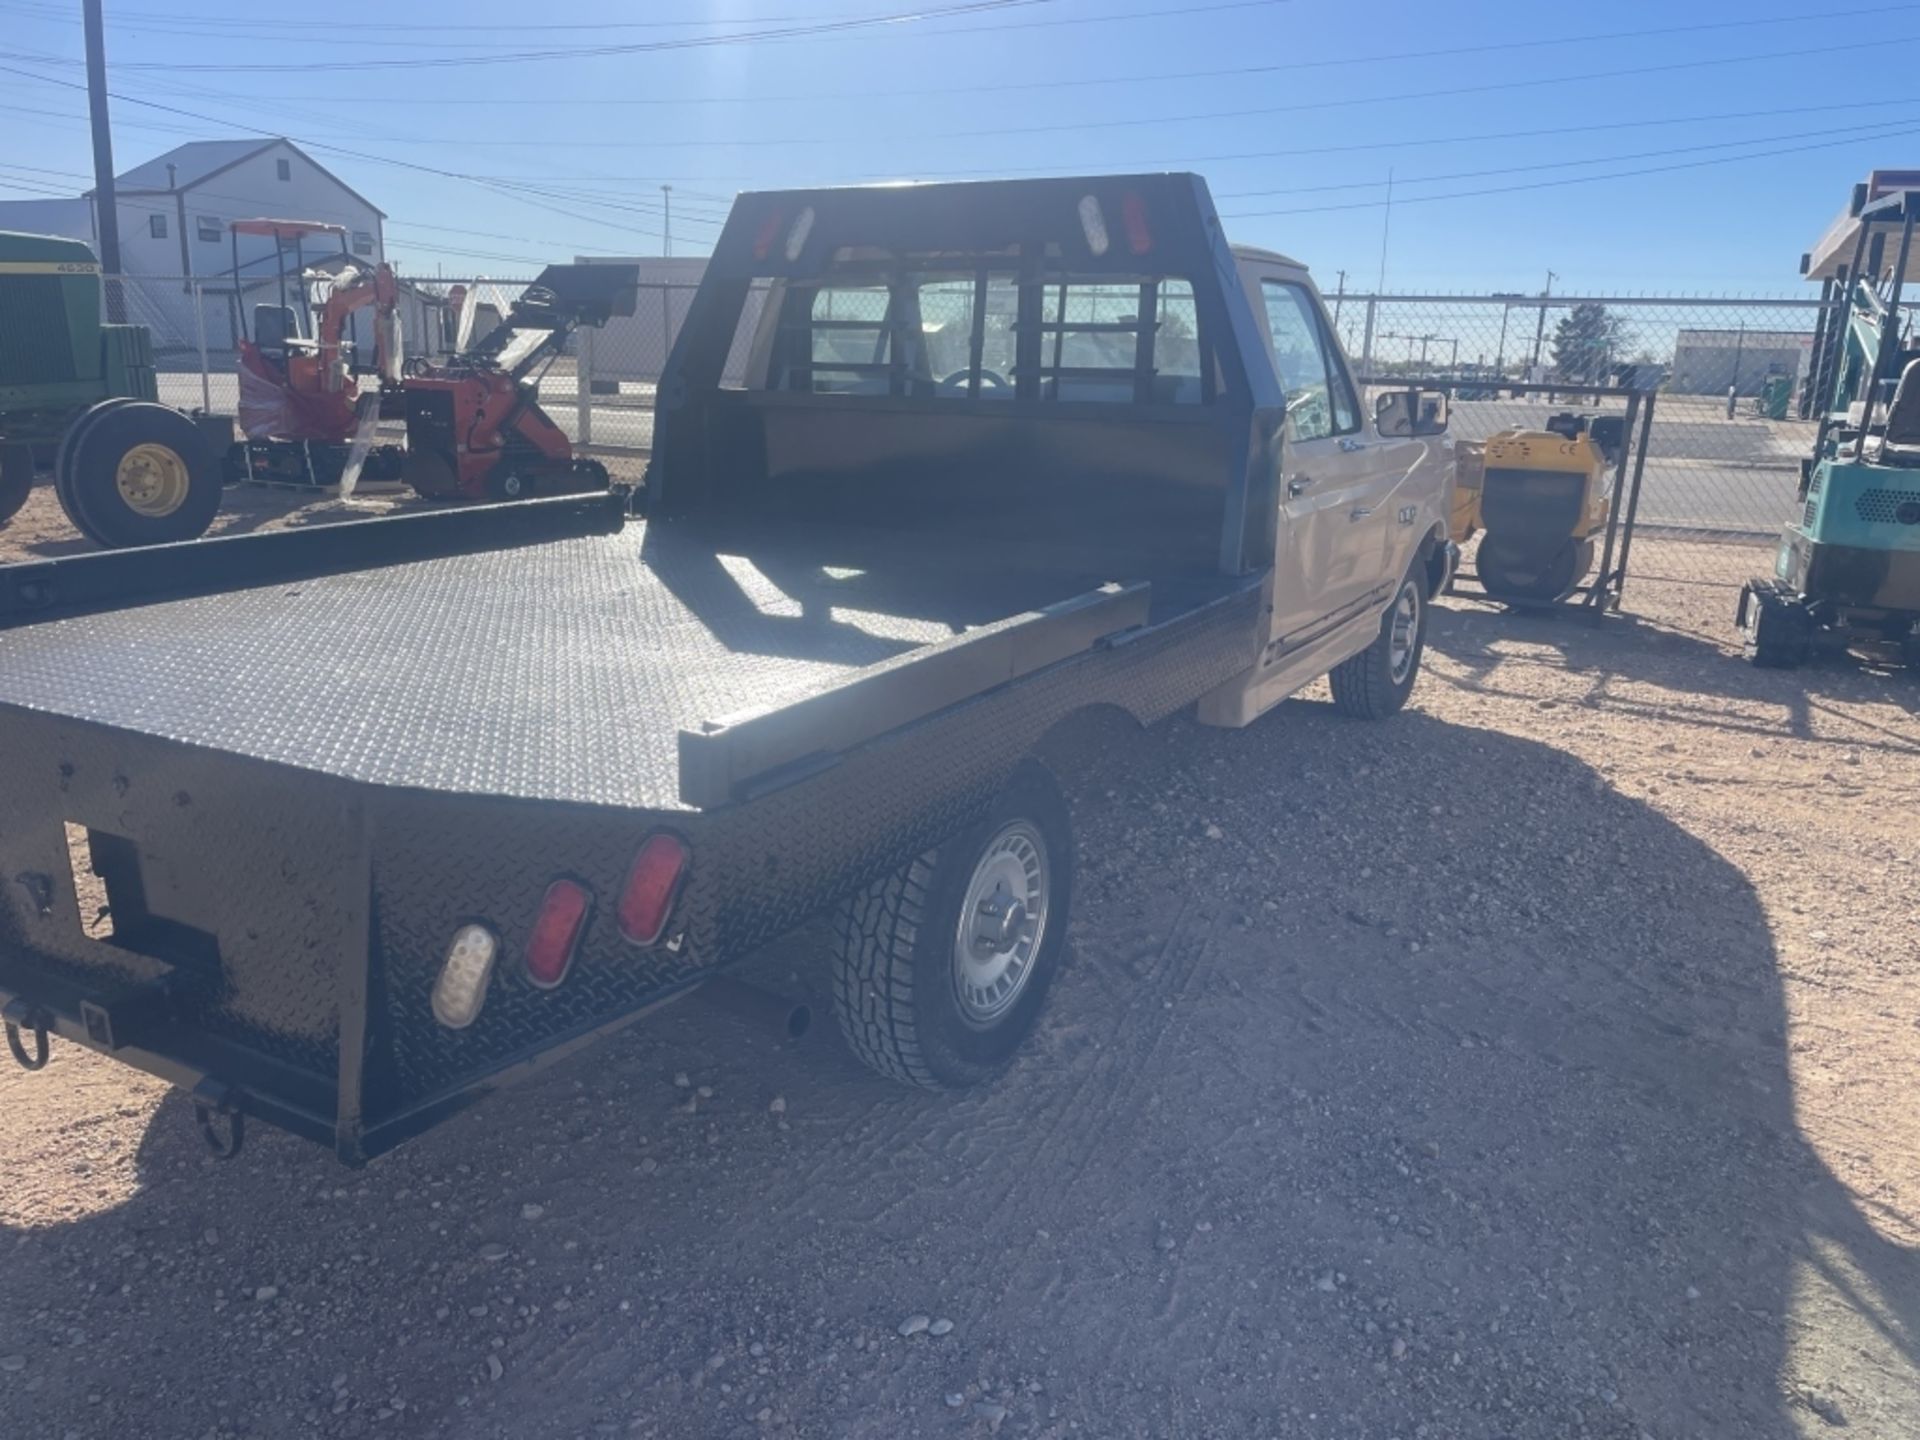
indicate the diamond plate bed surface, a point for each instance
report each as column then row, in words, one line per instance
column 558, row 671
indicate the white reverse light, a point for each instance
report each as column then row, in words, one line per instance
column 1093, row 221
column 462, row 987
column 797, row 236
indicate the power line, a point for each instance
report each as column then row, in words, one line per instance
column 1131, row 122
column 1864, row 132
column 880, row 23
column 1569, row 180
column 1163, row 76
column 155, row 18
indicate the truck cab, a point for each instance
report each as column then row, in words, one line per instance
column 1363, row 490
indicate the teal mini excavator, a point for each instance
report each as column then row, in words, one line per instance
column 1847, row 570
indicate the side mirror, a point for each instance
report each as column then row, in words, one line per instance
column 1401, row 413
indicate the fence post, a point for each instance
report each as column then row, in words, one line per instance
column 1366, row 344
column 583, row 386
column 200, row 333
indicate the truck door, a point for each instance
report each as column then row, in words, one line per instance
column 1329, row 552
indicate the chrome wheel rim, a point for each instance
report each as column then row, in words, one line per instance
column 1402, row 631
column 1003, row 921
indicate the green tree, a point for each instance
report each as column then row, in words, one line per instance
column 1584, row 343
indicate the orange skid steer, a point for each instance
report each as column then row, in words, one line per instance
column 475, row 427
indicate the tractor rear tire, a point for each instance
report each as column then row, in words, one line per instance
column 16, row 479
column 138, row 473
column 63, row 463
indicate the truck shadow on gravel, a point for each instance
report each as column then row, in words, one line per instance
column 1406, row 1081
column 1700, row 673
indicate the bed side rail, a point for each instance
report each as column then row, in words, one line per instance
column 117, row 579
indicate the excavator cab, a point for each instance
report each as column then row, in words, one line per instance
column 301, row 407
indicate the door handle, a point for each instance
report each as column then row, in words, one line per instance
column 1299, row 485
column 1351, row 445
column 1359, row 512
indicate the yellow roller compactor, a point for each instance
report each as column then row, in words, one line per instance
column 1541, row 497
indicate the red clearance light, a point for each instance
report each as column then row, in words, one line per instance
column 1133, row 215
column 646, row 900
column 556, row 932
column 768, row 233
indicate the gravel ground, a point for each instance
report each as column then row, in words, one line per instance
column 1536, row 1065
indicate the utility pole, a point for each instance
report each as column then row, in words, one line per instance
column 666, row 229
column 1733, row 387
column 1339, row 295
column 1540, row 328
column 1386, row 227
column 106, row 206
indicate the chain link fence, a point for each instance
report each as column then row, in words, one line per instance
column 1731, row 379
column 1732, row 420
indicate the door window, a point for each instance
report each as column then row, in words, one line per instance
column 1319, row 396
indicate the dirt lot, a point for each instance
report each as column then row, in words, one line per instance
column 1537, row 1065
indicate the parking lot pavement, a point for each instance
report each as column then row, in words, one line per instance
column 1535, row 1065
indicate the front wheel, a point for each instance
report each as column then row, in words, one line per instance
column 1376, row 683
column 941, row 968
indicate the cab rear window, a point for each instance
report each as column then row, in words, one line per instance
column 990, row 334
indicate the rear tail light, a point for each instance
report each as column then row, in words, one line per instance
column 556, row 932
column 768, row 233
column 646, row 900
column 462, row 987
column 1133, row 215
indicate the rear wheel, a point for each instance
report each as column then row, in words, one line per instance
column 140, row 474
column 1376, row 683
column 16, row 479
column 941, row 968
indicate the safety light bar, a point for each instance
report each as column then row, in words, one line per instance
column 556, row 932
column 653, row 884
column 462, row 987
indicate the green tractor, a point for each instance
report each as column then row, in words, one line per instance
column 1847, row 570
column 79, row 398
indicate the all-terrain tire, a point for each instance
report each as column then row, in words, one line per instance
column 1375, row 684
column 896, row 976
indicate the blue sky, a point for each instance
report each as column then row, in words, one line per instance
column 1295, row 110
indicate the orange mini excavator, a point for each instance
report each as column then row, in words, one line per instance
column 303, row 414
